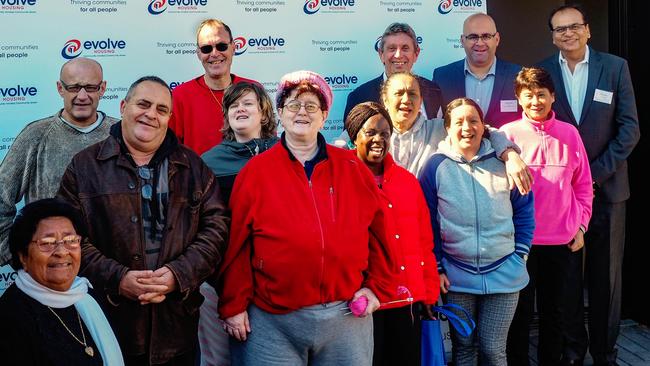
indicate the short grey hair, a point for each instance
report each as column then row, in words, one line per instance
column 153, row 79
column 397, row 28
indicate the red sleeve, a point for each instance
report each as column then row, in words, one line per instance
column 430, row 270
column 176, row 119
column 381, row 263
column 235, row 283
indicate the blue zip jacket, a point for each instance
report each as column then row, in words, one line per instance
column 482, row 230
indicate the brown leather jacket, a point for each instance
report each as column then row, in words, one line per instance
column 103, row 183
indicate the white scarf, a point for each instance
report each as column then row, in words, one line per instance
column 89, row 311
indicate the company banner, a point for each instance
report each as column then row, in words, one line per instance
column 133, row 38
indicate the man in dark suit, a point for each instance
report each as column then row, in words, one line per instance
column 480, row 76
column 398, row 51
column 593, row 91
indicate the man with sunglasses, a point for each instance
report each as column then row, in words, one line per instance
column 594, row 92
column 156, row 226
column 34, row 164
column 480, row 76
column 198, row 107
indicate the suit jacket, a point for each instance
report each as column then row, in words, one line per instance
column 609, row 130
column 451, row 79
column 371, row 92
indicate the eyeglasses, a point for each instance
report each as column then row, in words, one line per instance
column 147, row 189
column 294, row 106
column 221, row 47
column 76, row 88
column 573, row 27
column 48, row 245
column 483, row 37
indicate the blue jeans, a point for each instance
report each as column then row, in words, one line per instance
column 493, row 314
column 316, row 335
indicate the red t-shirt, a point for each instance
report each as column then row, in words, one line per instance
column 197, row 116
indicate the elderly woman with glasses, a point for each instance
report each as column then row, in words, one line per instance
column 48, row 316
column 307, row 235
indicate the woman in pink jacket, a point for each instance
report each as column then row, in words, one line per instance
column 554, row 152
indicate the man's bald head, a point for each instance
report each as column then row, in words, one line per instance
column 479, row 17
column 81, row 62
column 480, row 40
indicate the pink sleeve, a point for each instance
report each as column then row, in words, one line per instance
column 582, row 182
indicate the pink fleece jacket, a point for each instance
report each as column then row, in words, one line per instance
column 562, row 184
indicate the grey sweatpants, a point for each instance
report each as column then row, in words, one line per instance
column 316, row 335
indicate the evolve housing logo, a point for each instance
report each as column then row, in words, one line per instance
column 18, row 94
column 342, row 82
column 266, row 45
column 7, row 276
column 464, row 6
column 174, row 84
column 157, row 7
column 328, row 6
column 17, row 6
column 93, row 48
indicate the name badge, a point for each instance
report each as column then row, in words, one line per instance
column 603, row 96
column 508, row 106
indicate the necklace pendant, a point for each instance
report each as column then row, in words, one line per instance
column 257, row 149
column 89, row 351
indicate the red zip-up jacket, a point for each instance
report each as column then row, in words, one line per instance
column 409, row 227
column 296, row 242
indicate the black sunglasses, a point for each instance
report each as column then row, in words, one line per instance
column 147, row 189
column 221, row 46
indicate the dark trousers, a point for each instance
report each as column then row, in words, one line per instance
column 186, row 359
column 556, row 278
column 397, row 336
column 604, row 243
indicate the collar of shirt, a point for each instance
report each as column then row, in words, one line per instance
column 87, row 129
column 491, row 71
column 585, row 60
column 417, row 126
column 321, row 153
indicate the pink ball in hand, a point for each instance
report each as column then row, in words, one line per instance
column 358, row 306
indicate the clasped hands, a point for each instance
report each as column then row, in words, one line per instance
column 148, row 287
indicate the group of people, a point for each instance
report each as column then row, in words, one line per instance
column 129, row 224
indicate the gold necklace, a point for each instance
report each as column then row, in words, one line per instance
column 215, row 98
column 212, row 93
column 89, row 350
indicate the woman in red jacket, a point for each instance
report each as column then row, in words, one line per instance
column 397, row 323
column 307, row 235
